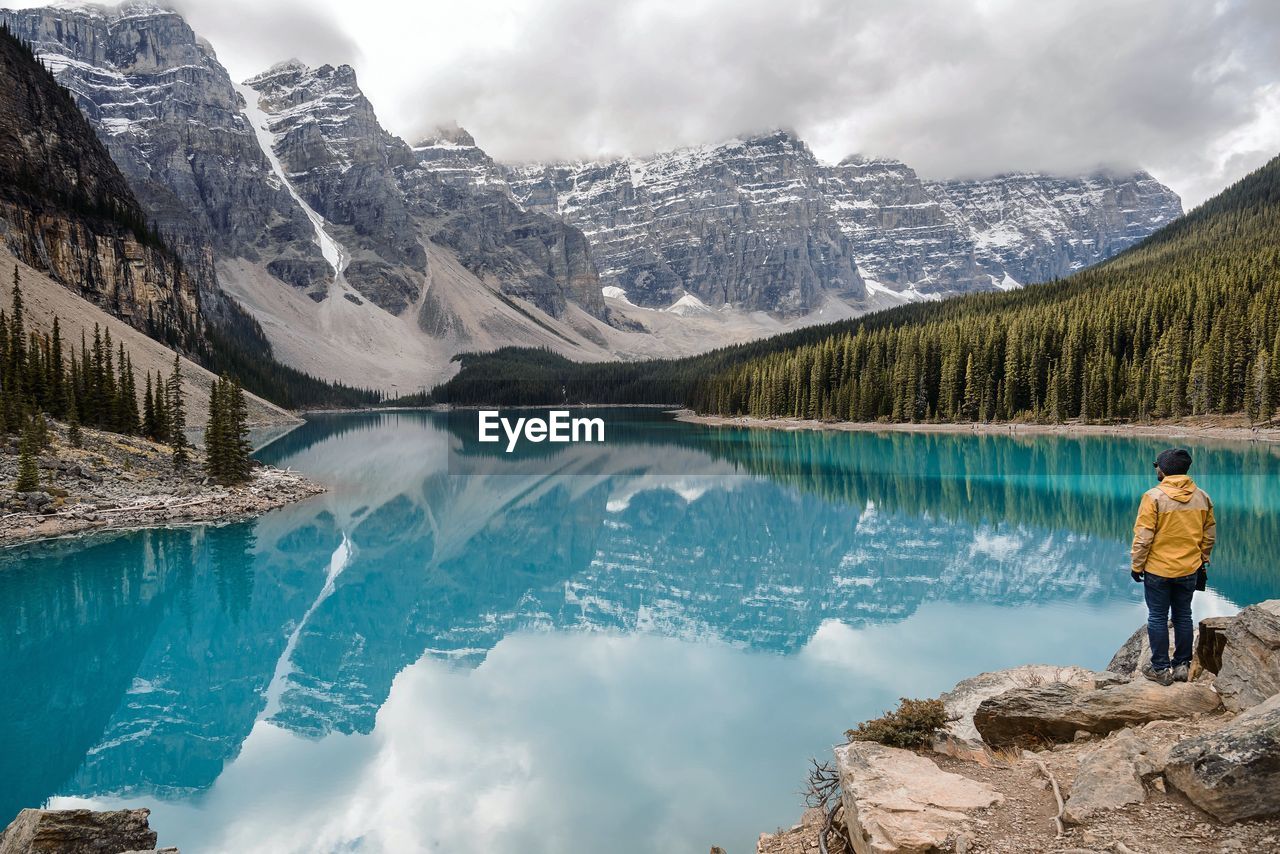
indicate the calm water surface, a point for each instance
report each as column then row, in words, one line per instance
column 632, row 647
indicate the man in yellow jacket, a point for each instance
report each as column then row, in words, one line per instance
column 1172, row 540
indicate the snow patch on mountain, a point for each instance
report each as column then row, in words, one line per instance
column 330, row 248
column 688, row 305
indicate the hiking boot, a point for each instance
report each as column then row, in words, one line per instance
column 1162, row 677
column 1182, row 673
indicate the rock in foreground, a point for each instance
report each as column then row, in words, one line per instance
column 1110, row 775
column 899, row 801
column 1056, row 712
column 79, row 832
column 1233, row 773
column 960, row 738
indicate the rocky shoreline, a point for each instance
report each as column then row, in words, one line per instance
column 1218, row 428
column 81, row 832
column 1064, row 759
column 121, row 482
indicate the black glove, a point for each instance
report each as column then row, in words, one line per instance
column 1136, row 576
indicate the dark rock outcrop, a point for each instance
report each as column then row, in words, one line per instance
column 78, row 832
column 1234, row 772
column 1056, row 712
column 65, row 208
column 1211, row 642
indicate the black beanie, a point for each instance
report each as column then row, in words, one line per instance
column 1174, row 461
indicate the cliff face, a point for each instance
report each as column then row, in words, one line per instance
column 761, row 224
column 174, row 123
column 1039, row 227
column 66, row 208
column 342, row 162
column 903, row 235
column 744, row 223
column 385, row 198
column 467, row 202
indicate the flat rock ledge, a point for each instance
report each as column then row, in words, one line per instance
column 81, row 832
column 961, row 739
column 899, row 801
column 1055, row 713
column 1111, row 774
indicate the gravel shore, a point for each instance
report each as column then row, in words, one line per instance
column 119, row 481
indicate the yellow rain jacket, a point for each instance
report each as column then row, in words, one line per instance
column 1175, row 531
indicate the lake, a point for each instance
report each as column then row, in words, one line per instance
column 626, row 647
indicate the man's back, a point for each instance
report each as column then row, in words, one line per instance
column 1175, row 529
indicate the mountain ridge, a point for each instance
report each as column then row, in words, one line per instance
column 663, row 258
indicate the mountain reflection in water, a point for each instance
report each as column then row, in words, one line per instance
column 633, row 645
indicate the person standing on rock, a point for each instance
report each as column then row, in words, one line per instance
column 1172, row 539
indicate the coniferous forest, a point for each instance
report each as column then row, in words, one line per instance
column 90, row 382
column 94, row 384
column 1185, row 323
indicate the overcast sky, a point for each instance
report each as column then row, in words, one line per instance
column 1188, row 89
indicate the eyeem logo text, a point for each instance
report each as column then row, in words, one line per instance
column 558, row 427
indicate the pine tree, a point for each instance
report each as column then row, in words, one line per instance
column 75, row 436
column 162, row 410
column 178, row 418
column 215, row 434
column 16, row 366
column 28, row 463
column 236, row 432
column 56, row 377
column 148, row 411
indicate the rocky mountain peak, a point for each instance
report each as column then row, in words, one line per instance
column 65, row 207
column 172, row 120
column 450, row 134
column 740, row 223
column 342, row 162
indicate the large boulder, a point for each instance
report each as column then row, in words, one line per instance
column 898, row 801
column 1250, row 671
column 1055, row 713
column 1110, row 775
column 78, row 832
column 1234, row 772
column 960, row 738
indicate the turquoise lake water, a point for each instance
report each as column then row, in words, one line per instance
column 628, row 647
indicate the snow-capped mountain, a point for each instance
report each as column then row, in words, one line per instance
column 371, row 261
column 342, row 163
column 1033, row 228
column 172, row 120
column 681, row 220
column 743, row 223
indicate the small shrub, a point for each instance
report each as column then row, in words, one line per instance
column 911, row 725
